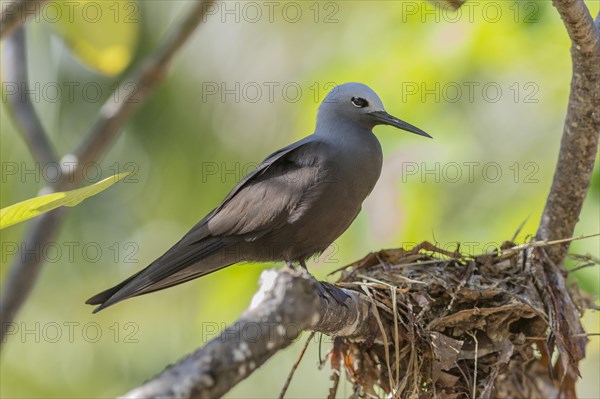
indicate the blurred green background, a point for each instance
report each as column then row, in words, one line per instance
column 490, row 84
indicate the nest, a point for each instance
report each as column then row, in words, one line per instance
column 461, row 326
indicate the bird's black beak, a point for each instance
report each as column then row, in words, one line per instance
column 383, row 118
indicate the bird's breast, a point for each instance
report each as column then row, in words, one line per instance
column 345, row 179
column 359, row 165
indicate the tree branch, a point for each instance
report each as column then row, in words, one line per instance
column 14, row 70
column 287, row 303
column 579, row 142
column 22, row 276
column 26, row 266
column 578, row 148
column 13, row 14
column 113, row 115
column 135, row 89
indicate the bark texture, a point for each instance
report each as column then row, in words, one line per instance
column 286, row 304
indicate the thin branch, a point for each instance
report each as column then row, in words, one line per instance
column 135, row 89
column 579, row 143
column 113, row 115
column 22, row 277
column 26, row 266
column 13, row 14
column 288, row 380
column 16, row 82
column 287, row 303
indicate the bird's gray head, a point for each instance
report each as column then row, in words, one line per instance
column 358, row 104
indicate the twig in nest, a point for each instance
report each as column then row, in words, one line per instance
column 384, row 335
column 476, row 355
column 575, row 269
column 321, row 360
column 336, row 360
column 396, row 334
column 588, row 260
column 538, row 244
column 427, row 246
column 295, row 366
column 519, row 228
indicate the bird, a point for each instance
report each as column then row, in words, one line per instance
column 293, row 205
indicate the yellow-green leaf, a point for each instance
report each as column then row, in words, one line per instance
column 30, row 208
column 101, row 34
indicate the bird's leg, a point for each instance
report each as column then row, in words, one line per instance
column 303, row 264
column 323, row 287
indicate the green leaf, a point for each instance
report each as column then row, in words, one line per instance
column 101, row 34
column 33, row 207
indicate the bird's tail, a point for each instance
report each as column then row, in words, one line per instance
column 178, row 265
column 103, row 297
column 127, row 288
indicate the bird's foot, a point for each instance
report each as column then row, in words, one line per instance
column 338, row 294
column 325, row 289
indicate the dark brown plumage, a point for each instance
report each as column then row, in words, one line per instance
column 295, row 204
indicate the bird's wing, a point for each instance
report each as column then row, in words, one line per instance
column 264, row 166
column 264, row 196
column 268, row 197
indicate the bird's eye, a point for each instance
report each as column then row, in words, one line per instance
column 359, row 102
